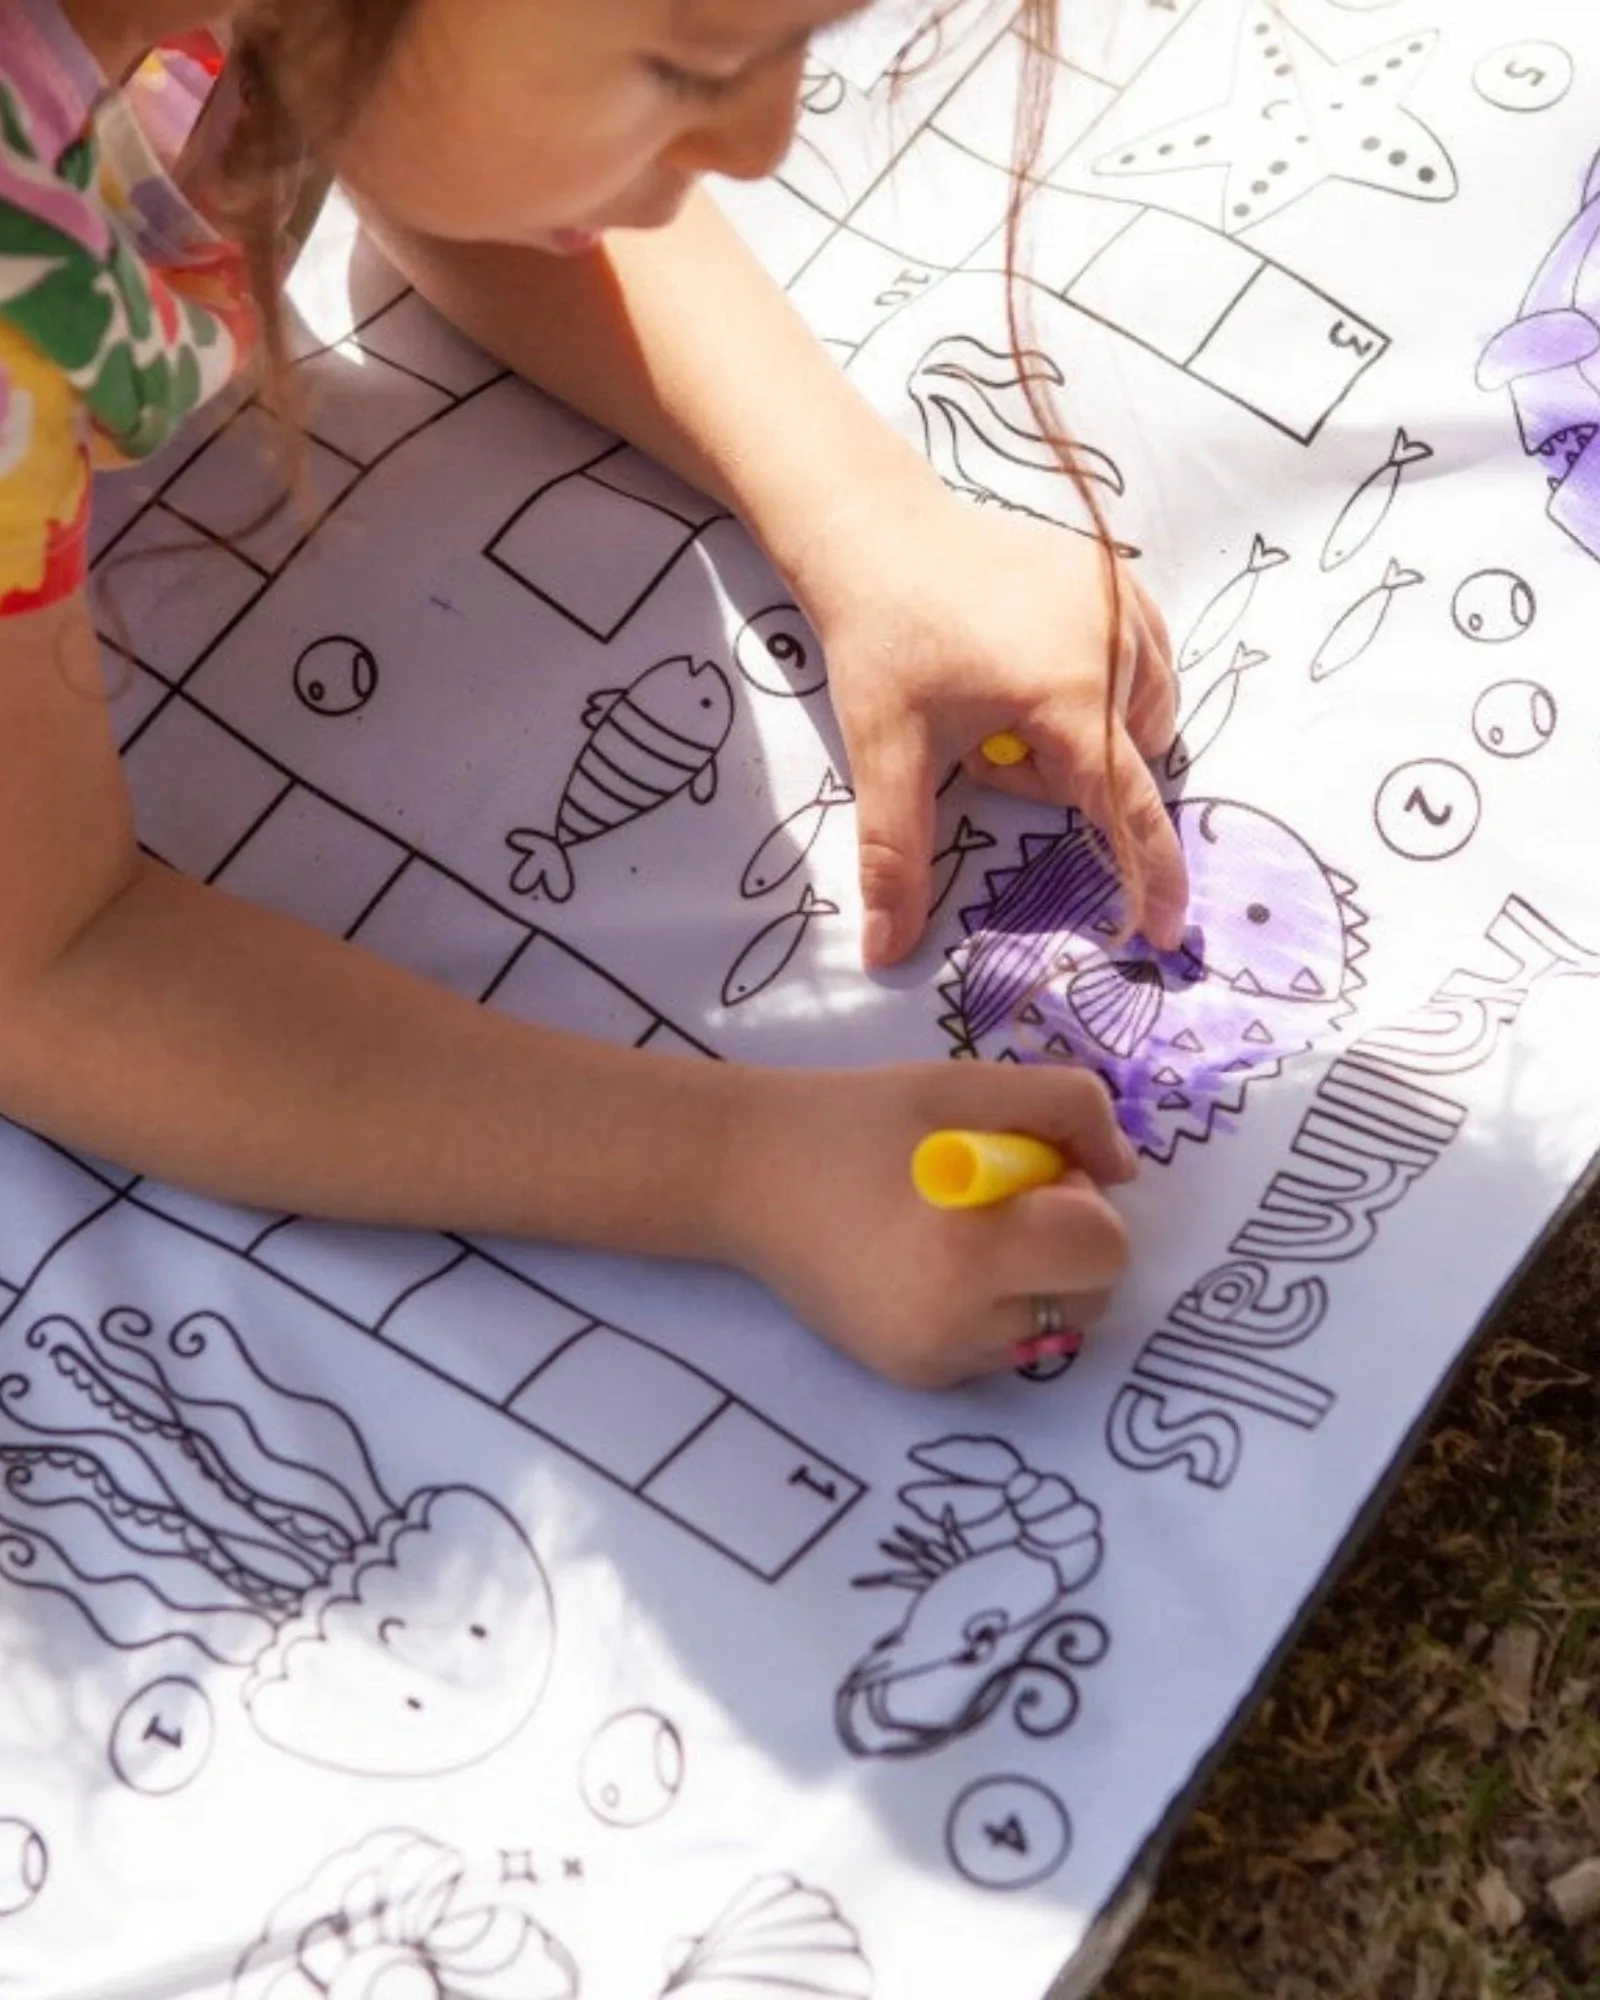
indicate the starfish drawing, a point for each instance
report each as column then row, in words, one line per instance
column 1297, row 118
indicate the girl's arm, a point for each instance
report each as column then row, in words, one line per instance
column 155, row 1021
column 941, row 625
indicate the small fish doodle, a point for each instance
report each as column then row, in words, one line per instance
column 1211, row 713
column 772, row 947
column 1365, row 512
column 1362, row 623
column 983, row 438
column 946, row 864
column 1227, row 609
column 1549, row 360
column 792, row 839
column 1265, row 972
column 1007, row 1547
column 647, row 743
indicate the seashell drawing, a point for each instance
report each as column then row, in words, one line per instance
column 777, row 1936
column 1116, row 1004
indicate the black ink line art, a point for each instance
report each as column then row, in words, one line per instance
column 1297, row 119
column 777, row 651
column 1266, row 971
column 1514, row 718
column 1544, row 357
column 161, row 1740
column 779, row 1935
column 642, row 517
column 1427, row 810
column 772, row 947
column 983, row 438
column 1359, row 627
column 792, row 839
column 1365, row 512
column 1526, row 76
column 172, row 1490
column 1209, row 716
column 1227, row 609
column 336, row 676
column 945, row 868
column 1007, row 1833
column 402, row 1912
column 632, row 1768
column 24, row 1865
column 822, row 90
column 986, row 1624
column 647, row 743
column 1493, row 606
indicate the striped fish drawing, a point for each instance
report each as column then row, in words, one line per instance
column 647, row 743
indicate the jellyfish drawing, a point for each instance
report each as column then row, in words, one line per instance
column 174, row 1492
column 986, row 1623
column 405, row 1915
column 1549, row 360
column 984, row 439
column 778, row 1935
column 1265, row 970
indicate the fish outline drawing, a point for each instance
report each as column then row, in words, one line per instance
column 764, row 958
column 782, row 850
column 1228, row 608
column 1357, row 629
column 945, row 867
column 1266, row 971
column 647, row 742
column 1365, row 512
column 1211, row 713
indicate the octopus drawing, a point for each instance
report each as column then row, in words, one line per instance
column 172, row 1491
column 1265, row 971
column 1549, row 359
column 986, row 1621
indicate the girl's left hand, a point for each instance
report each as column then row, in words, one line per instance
column 943, row 623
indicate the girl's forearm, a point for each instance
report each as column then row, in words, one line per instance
column 680, row 341
column 225, row 1048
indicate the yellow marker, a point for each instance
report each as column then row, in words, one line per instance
column 976, row 1169
column 1006, row 747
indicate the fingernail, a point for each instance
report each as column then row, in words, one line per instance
column 877, row 938
column 1128, row 1157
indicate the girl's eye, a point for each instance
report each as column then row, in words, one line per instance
column 701, row 86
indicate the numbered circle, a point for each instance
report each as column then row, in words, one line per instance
column 162, row 1738
column 1493, row 606
column 1007, row 1833
column 778, row 652
column 336, row 676
column 1524, row 76
column 633, row 1768
column 1514, row 718
column 1428, row 809
column 24, row 1864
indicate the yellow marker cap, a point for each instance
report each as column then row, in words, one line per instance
column 977, row 1169
column 1006, row 747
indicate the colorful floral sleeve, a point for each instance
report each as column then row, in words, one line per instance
column 44, row 479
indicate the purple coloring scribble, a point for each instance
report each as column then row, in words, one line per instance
column 1265, row 970
column 1549, row 359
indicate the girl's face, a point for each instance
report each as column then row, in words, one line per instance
column 545, row 123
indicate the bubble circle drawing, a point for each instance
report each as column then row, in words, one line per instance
column 1428, row 809
column 335, row 676
column 633, row 1768
column 778, row 652
column 1493, row 606
column 1514, row 718
column 1007, row 1833
column 1525, row 76
column 24, row 1864
column 162, row 1738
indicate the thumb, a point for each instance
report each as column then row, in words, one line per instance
column 893, row 775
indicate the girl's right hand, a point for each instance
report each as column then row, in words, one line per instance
column 816, row 1202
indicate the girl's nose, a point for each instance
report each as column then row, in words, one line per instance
column 747, row 137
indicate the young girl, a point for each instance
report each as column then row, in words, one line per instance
column 533, row 167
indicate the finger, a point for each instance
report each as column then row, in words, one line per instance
column 1061, row 1241
column 1152, row 712
column 894, row 775
column 1079, row 773
column 1155, row 624
column 1068, row 1107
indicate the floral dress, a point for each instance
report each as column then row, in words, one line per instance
column 122, row 309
